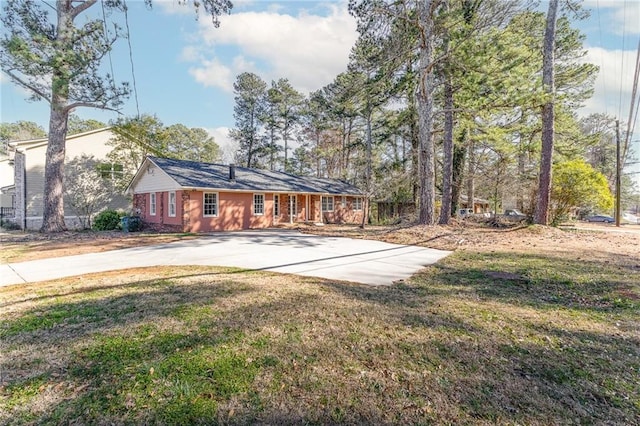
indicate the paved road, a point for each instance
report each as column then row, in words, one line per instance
column 364, row 261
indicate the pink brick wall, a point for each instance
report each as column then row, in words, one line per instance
column 235, row 212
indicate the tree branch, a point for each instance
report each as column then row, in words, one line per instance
column 89, row 105
column 28, row 86
column 75, row 11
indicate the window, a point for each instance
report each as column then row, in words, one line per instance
column 258, row 204
column 357, row 203
column 210, row 204
column 327, row 204
column 343, row 204
column 172, row 204
column 276, row 205
column 110, row 170
column 152, row 204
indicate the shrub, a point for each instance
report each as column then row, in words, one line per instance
column 107, row 220
column 8, row 225
column 132, row 224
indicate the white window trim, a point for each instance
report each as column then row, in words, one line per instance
column 254, row 204
column 174, row 204
column 276, row 205
column 217, row 204
column 153, row 198
column 322, row 204
column 355, row 204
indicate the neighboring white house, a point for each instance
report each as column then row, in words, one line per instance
column 6, row 183
column 23, row 186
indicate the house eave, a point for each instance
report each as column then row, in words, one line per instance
column 247, row 191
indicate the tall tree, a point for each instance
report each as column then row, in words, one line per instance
column 426, row 147
column 250, row 91
column 271, row 122
column 288, row 104
column 59, row 62
column 541, row 214
column 192, row 144
column 134, row 139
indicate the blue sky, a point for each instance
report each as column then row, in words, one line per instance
column 184, row 68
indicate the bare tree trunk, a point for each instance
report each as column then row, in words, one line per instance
column 368, row 170
column 459, row 151
column 415, row 163
column 53, row 201
column 424, row 96
column 471, row 190
column 286, row 151
column 541, row 216
column 447, row 167
column 521, row 180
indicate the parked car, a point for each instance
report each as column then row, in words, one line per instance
column 600, row 218
column 515, row 215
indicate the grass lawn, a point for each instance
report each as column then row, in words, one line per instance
column 484, row 337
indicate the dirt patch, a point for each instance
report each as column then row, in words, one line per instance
column 575, row 241
column 20, row 246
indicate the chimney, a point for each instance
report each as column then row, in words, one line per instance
column 232, row 172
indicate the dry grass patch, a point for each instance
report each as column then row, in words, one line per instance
column 484, row 337
column 18, row 246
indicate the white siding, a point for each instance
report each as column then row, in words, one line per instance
column 93, row 143
column 89, row 143
column 6, row 179
column 152, row 179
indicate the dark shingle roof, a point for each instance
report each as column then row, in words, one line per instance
column 194, row 174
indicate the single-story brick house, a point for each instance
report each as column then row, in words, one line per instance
column 189, row 196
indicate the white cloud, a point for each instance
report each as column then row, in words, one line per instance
column 616, row 16
column 612, row 90
column 190, row 54
column 308, row 49
column 212, row 73
column 626, row 18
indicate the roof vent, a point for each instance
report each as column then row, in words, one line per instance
column 232, row 172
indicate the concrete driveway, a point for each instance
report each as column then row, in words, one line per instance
column 363, row 261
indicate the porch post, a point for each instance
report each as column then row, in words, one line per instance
column 290, row 209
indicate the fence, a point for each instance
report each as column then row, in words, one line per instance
column 6, row 213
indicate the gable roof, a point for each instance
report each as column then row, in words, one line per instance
column 34, row 143
column 193, row 174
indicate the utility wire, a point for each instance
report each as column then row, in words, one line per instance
column 624, row 31
column 604, row 80
column 634, row 92
column 106, row 39
column 50, row 6
column 135, row 89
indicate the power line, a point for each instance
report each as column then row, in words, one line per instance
column 624, row 31
column 633, row 117
column 604, row 80
column 133, row 74
column 106, row 39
